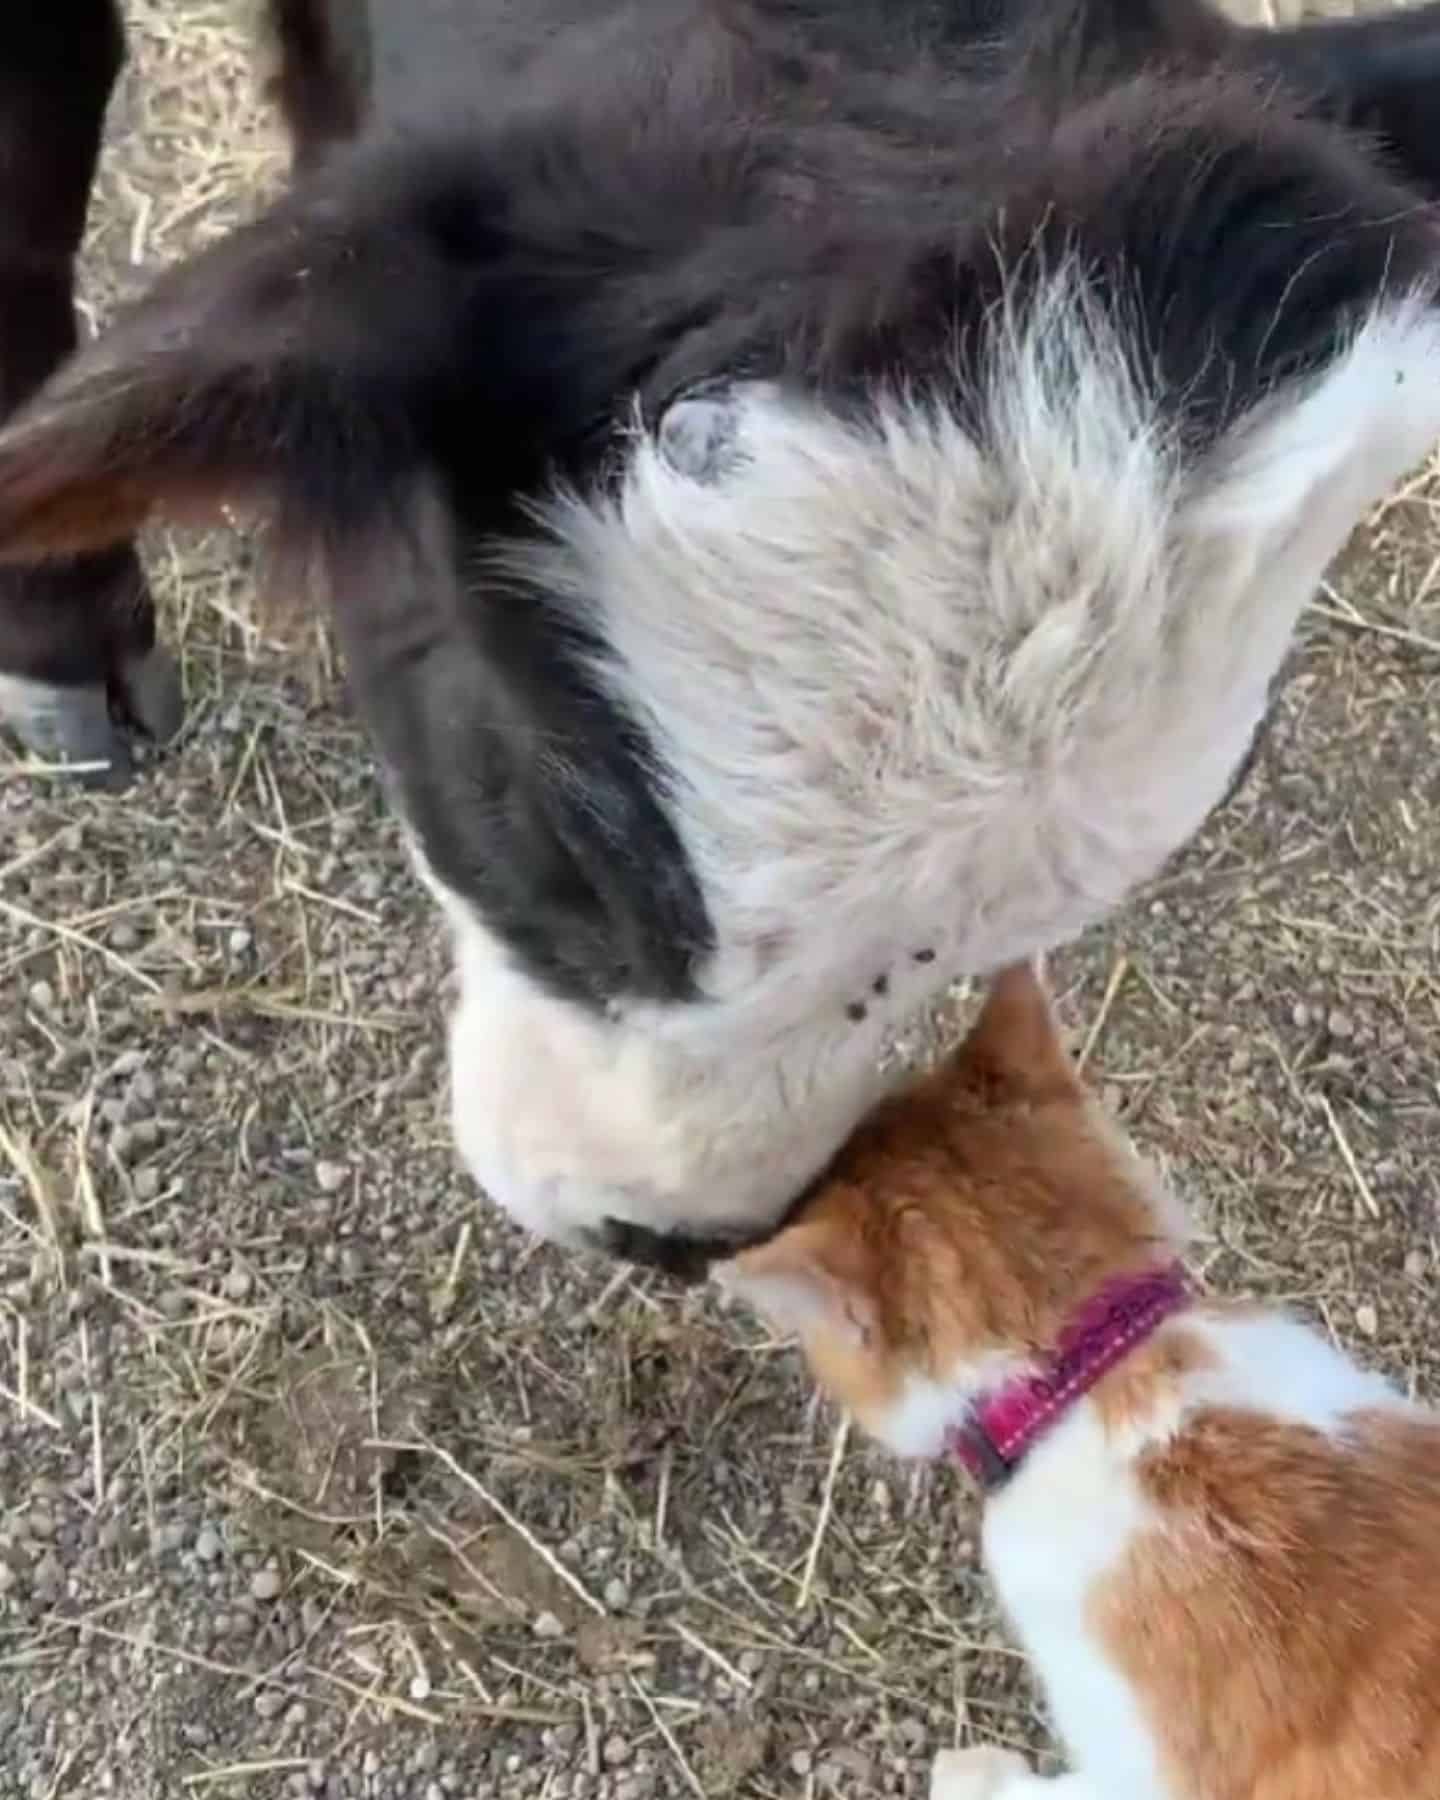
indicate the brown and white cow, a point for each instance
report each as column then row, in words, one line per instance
column 813, row 495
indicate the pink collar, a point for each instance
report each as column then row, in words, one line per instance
column 1005, row 1425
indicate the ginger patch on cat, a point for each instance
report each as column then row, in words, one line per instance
column 1217, row 1536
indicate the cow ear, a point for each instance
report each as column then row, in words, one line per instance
column 291, row 362
column 1378, row 75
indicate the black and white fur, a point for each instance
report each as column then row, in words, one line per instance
column 814, row 498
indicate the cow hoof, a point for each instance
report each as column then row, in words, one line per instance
column 149, row 694
column 70, row 726
column 87, row 729
column 73, row 726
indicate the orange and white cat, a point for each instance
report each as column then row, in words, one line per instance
column 1217, row 1537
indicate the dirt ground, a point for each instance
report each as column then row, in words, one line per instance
column 316, row 1478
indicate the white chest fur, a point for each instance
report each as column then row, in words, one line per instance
column 1050, row 1540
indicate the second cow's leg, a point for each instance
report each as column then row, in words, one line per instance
column 79, row 663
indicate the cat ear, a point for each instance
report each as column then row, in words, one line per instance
column 793, row 1285
column 1015, row 1044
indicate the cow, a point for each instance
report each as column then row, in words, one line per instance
column 813, row 496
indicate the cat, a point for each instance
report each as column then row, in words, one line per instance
column 1217, row 1537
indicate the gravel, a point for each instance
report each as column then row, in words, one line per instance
column 270, row 1370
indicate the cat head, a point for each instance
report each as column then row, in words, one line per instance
column 960, row 1228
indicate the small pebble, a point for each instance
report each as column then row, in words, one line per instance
column 208, row 1545
column 48, row 1577
column 802, row 1762
column 548, row 1626
column 238, row 1282
column 1367, row 1319
column 617, row 1593
column 420, row 1687
column 268, row 1702
column 846, row 1760
column 616, row 1751
column 1417, row 1265
column 147, row 1183
column 331, row 1176
column 266, row 1584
